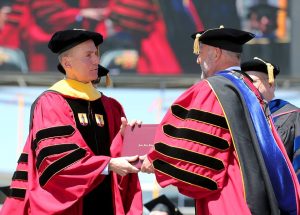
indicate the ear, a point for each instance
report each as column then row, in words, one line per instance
column 272, row 85
column 217, row 53
column 66, row 62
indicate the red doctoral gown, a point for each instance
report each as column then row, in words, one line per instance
column 57, row 168
column 208, row 152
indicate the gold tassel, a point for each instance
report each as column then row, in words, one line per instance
column 270, row 69
column 98, row 51
column 196, row 44
column 107, row 81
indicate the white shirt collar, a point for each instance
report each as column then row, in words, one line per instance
column 234, row 68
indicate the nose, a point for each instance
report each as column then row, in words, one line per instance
column 198, row 60
column 96, row 59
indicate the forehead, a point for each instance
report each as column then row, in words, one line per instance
column 205, row 47
column 202, row 45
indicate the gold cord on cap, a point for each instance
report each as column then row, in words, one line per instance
column 196, row 44
column 98, row 51
column 107, row 81
column 270, row 68
column 107, row 78
column 196, row 41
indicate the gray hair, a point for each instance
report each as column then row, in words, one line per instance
column 63, row 54
column 232, row 54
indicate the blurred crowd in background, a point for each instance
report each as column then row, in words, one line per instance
column 143, row 37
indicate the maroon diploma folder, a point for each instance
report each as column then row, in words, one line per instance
column 138, row 141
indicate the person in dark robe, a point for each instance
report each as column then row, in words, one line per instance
column 263, row 19
column 162, row 206
column 217, row 145
column 286, row 116
column 70, row 163
column 214, row 13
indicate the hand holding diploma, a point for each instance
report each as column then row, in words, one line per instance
column 147, row 166
column 138, row 140
column 122, row 166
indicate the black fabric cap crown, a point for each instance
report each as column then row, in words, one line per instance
column 102, row 71
column 225, row 38
column 162, row 203
column 63, row 40
column 258, row 66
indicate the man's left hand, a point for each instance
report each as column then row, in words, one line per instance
column 147, row 166
column 133, row 123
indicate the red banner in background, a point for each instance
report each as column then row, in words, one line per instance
column 150, row 37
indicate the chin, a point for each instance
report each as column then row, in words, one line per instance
column 94, row 76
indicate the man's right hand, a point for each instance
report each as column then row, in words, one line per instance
column 147, row 166
column 122, row 166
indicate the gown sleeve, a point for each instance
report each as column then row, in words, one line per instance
column 193, row 144
column 65, row 167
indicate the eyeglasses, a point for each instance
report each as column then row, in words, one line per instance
column 260, row 80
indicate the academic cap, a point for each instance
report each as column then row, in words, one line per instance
column 225, row 38
column 162, row 203
column 63, row 40
column 259, row 65
column 264, row 9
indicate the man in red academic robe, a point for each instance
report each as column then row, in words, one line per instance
column 217, row 145
column 70, row 162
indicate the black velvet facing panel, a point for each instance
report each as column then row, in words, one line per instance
column 200, row 116
column 20, row 175
column 23, row 158
column 61, row 164
column 259, row 193
column 182, row 175
column 54, row 149
column 196, row 136
column 189, row 156
column 59, row 131
column 17, row 193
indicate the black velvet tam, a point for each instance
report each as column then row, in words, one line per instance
column 63, row 40
column 258, row 66
column 163, row 204
column 225, row 38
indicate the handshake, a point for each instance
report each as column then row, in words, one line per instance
column 138, row 141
